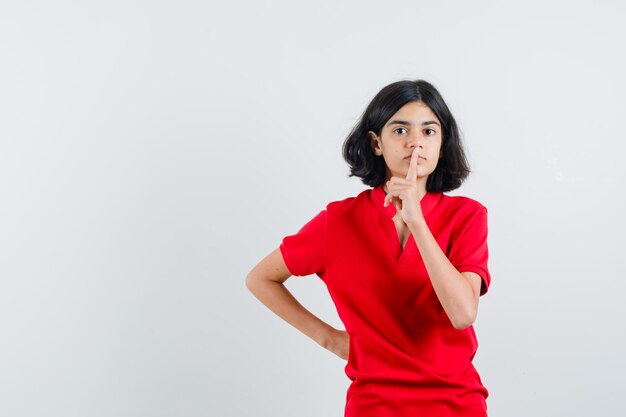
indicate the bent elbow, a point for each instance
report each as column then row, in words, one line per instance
column 461, row 326
column 462, row 323
column 256, row 281
column 250, row 281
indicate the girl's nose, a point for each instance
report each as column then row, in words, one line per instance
column 415, row 140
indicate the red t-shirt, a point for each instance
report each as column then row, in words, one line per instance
column 406, row 358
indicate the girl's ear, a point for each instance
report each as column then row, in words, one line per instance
column 375, row 143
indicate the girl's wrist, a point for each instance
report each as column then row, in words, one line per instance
column 417, row 224
column 325, row 339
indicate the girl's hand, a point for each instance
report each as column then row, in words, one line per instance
column 402, row 192
column 339, row 343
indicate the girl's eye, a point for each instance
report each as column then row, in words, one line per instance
column 430, row 131
column 400, row 128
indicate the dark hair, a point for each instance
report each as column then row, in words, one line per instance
column 452, row 168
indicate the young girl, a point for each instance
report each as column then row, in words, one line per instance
column 404, row 263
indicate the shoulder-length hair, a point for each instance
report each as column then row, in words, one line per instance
column 452, row 168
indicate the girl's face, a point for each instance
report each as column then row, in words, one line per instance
column 414, row 125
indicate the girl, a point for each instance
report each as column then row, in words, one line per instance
column 404, row 264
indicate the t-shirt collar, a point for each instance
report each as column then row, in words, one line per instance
column 427, row 203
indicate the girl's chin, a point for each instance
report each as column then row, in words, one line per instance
column 420, row 174
column 405, row 170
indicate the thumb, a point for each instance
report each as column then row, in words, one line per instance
column 397, row 203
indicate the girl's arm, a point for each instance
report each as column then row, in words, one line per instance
column 266, row 280
column 458, row 292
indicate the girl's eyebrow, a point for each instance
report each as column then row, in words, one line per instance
column 405, row 123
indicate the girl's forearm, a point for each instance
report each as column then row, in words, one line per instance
column 278, row 299
column 452, row 289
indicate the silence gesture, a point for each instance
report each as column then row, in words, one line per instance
column 404, row 194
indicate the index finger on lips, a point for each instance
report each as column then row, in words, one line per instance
column 412, row 172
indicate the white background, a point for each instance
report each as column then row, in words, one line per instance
column 152, row 152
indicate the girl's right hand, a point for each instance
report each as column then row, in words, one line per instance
column 339, row 343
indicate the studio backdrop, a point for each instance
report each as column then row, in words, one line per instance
column 151, row 153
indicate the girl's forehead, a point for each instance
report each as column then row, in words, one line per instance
column 413, row 111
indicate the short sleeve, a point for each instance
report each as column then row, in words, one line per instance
column 469, row 248
column 304, row 253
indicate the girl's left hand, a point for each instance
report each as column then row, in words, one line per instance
column 402, row 192
column 339, row 343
